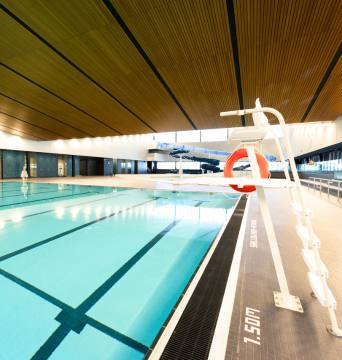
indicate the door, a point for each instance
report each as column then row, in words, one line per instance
column 83, row 167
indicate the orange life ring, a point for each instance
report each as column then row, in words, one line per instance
column 239, row 154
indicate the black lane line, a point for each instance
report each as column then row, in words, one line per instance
column 45, row 114
column 32, row 124
column 37, row 193
column 71, row 321
column 22, row 131
column 85, row 319
column 124, row 27
column 18, row 189
column 192, row 336
column 55, row 197
column 50, row 92
column 324, row 80
column 65, row 207
column 27, row 248
column 233, row 39
column 70, row 62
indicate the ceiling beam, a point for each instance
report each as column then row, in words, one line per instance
column 233, row 38
column 125, row 28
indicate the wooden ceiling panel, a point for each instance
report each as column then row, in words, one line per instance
column 205, row 87
column 107, row 55
column 20, row 111
column 285, row 49
column 189, row 43
column 11, row 122
column 328, row 105
column 106, row 67
column 20, row 89
column 141, row 92
column 56, row 20
column 18, row 133
column 13, row 41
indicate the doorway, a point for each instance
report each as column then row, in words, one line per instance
column 83, row 167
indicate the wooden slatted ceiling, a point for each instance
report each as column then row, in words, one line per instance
column 20, row 111
column 328, row 105
column 285, row 48
column 189, row 43
column 6, row 120
column 107, row 54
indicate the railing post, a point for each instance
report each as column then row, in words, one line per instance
column 320, row 187
column 328, row 188
column 314, row 184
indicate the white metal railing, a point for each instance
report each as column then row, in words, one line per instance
column 327, row 183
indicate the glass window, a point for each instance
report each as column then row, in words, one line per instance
column 189, row 165
column 166, row 165
column 214, row 135
column 169, row 137
column 188, row 136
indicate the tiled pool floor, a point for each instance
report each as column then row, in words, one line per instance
column 93, row 272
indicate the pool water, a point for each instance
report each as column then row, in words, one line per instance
column 94, row 272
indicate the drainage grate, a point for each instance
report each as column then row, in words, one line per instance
column 192, row 337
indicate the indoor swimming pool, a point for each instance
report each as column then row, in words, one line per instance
column 94, row 272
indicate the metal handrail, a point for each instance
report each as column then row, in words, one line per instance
column 328, row 182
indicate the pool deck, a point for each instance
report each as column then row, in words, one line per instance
column 283, row 334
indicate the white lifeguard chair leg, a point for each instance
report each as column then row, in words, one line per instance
column 282, row 299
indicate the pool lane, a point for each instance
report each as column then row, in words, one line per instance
column 124, row 273
column 147, row 293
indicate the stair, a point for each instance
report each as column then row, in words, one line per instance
column 297, row 209
column 310, row 261
column 317, row 288
column 303, row 233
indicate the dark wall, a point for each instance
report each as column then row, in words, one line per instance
column 75, row 165
column 13, row 163
column 107, row 167
column 118, row 166
column 94, row 166
column 47, row 165
column 69, row 165
column 141, row 167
